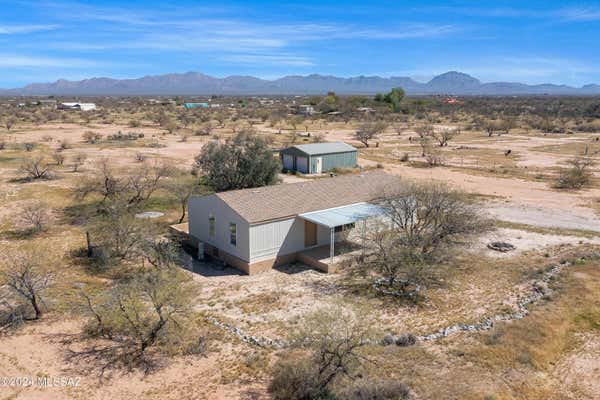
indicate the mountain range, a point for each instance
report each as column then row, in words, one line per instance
column 195, row 83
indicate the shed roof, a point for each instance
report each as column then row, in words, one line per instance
column 343, row 215
column 286, row 200
column 324, row 148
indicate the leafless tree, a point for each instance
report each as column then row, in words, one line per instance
column 34, row 216
column 78, row 161
column 443, row 136
column 151, row 310
column 423, row 224
column 9, row 123
column 27, row 279
column 369, row 131
column 58, row 157
column 35, row 167
column 136, row 186
column 182, row 188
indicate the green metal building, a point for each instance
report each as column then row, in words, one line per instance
column 316, row 158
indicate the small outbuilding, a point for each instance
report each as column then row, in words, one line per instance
column 195, row 105
column 316, row 158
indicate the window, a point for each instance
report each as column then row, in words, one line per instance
column 233, row 234
column 211, row 226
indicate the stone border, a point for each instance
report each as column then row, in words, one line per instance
column 540, row 288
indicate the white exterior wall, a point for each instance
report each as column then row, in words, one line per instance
column 279, row 238
column 199, row 210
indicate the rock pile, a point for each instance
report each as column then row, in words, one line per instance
column 502, row 247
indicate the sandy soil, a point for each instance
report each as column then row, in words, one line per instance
column 184, row 378
column 270, row 304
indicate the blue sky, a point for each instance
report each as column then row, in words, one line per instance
column 526, row 41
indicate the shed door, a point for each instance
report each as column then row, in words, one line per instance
column 318, row 165
column 288, row 161
column 310, row 234
column 302, row 164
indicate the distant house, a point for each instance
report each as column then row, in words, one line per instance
column 77, row 106
column 452, row 100
column 257, row 229
column 316, row 158
column 195, row 105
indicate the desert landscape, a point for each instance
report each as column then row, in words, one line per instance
column 486, row 324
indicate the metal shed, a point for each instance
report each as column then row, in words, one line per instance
column 316, row 158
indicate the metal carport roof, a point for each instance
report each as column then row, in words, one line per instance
column 344, row 215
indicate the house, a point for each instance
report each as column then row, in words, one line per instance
column 316, row 158
column 255, row 230
column 195, row 105
column 452, row 100
column 76, row 106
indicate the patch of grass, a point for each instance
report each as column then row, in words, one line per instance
column 548, row 231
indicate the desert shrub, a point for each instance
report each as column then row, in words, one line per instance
column 65, row 144
column 35, row 167
column 28, row 146
column 134, row 123
column 296, row 379
column 27, row 279
column 151, row 310
column 2, row 145
column 91, row 137
column 120, row 136
column 405, row 157
column 365, row 389
column 34, row 216
column 78, row 161
column 140, row 157
column 333, row 339
column 58, row 157
column 250, row 163
column 577, row 175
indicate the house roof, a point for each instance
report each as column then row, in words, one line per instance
column 287, row 200
column 324, row 148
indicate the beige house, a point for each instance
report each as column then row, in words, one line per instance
column 257, row 229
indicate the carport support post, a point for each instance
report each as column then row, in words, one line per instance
column 332, row 245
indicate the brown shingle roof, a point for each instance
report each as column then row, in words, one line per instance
column 280, row 201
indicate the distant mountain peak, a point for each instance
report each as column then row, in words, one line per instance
column 454, row 78
column 196, row 83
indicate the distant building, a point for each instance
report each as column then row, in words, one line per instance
column 195, row 105
column 365, row 109
column 77, row 106
column 451, row 100
column 306, row 109
column 316, row 158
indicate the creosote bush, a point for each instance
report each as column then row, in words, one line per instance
column 577, row 175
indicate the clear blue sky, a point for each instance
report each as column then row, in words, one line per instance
column 526, row 41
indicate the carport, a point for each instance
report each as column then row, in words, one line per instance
column 342, row 216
